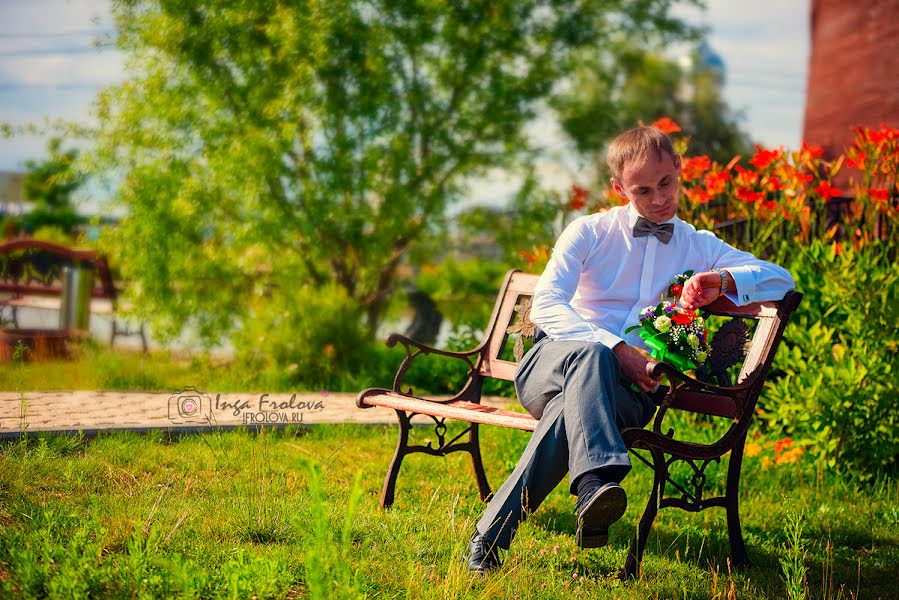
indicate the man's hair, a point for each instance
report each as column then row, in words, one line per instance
column 635, row 146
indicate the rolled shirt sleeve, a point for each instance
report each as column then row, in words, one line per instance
column 551, row 309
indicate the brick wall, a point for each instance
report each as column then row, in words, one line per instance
column 853, row 70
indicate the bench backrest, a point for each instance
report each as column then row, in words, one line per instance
column 510, row 334
column 510, row 328
column 30, row 267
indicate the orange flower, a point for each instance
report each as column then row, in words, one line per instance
column 812, row 151
column 698, row 195
column 782, row 445
column 579, row 197
column 667, row 125
column 879, row 194
column 745, row 176
column 858, row 161
column 716, row 182
column 695, row 166
column 826, row 191
column 875, row 137
column 744, row 193
column 764, row 157
column 790, row 456
column 837, row 248
column 774, row 184
column 753, row 449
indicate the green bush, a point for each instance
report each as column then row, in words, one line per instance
column 311, row 336
column 834, row 390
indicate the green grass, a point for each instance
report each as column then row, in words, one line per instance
column 95, row 366
column 294, row 513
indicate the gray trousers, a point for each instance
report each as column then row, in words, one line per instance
column 577, row 393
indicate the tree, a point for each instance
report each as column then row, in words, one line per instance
column 49, row 185
column 624, row 84
column 266, row 146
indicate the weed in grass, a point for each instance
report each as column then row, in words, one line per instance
column 793, row 560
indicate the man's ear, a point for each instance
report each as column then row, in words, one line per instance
column 616, row 185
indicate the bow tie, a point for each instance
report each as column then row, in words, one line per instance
column 663, row 232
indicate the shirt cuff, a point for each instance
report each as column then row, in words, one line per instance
column 606, row 338
column 744, row 285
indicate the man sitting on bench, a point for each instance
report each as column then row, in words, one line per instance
column 576, row 379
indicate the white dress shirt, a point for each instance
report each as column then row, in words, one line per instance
column 600, row 276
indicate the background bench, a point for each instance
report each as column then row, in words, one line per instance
column 752, row 332
column 31, row 274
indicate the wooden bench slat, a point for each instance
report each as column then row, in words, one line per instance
column 459, row 410
column 705, row 404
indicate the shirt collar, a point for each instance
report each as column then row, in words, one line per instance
column 632, row 216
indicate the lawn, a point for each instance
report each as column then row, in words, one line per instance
column 293, row 513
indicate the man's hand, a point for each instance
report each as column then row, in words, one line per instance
column 633, row 366
column 703, row 288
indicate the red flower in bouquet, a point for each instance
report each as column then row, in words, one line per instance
column 681, row 318
column 673, row 334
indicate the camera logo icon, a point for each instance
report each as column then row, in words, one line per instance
column 189, row 406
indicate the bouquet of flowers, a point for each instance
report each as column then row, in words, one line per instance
column 673, row 334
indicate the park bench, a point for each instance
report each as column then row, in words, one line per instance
column 31, row 273
column 751, row 334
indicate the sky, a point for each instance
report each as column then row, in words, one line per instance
column 51, row 69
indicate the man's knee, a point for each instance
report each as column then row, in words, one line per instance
column 598, row 352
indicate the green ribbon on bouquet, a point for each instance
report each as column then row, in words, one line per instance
column 659, row 351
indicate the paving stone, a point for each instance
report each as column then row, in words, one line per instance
column 187, row 410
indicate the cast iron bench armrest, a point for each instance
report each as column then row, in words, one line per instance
column 414, row 349
column 656, row 369
column 688, row 393
column 644, row 439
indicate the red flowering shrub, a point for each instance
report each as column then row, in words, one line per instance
column 783, row 197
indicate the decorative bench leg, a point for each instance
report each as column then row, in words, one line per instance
column 402, row 449
column 738, row 554
column 474, row 448
column 638, row 542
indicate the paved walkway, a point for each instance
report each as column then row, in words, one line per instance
column 189, row 410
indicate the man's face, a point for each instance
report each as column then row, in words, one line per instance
column 652, row 187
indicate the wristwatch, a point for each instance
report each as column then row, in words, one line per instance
column 723, row 275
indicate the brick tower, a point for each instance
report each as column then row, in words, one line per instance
column 853, row 76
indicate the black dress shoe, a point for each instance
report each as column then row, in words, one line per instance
column 596, row 511
column 483, row 554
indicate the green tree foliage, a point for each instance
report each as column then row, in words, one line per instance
column 49, row 185
column 51, row 182
column 623, row 84
column 261, row 146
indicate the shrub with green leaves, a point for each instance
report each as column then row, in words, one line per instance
column 834, row 388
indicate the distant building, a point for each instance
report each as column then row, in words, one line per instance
column 12, row 192
column 853, row 77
